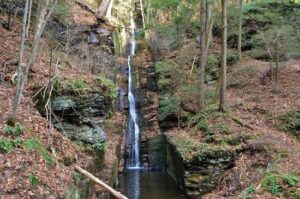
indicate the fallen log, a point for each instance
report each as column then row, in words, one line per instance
column 96, row 180
column 238, row 121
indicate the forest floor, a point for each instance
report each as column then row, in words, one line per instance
column 258, row 105
column 26, row 173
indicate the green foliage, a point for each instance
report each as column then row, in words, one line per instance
column 233, row 84
column 232, row 57
column 35, row 144
column 77, row 84
column 62, row 12
column 76, row 176
column 251, row 190
column 111, row 89
column 169, row 73
column 291, row 180
column 33, row 179
column 166, row 4
column 291, row 122
column 8, row 145
column 200, row 118
column 16, row 130
column 168, row 105
column 210, row 95
column 99, row 147
column 222, row 128
column 247, row 70
column 213, row 61
column 273, row 182
column 57, row 83
column 189, row 148
column 270, row 17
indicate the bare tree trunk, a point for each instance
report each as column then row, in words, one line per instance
column 103, row 8
column 29, row 18
column 240, row 30
column 20, row 74
column 224, row 56
column 109, row 9
column 9, row 20
column 44, row 15
column 209, row 26
column 277, row 65
column 202, row 60
column 143, row 14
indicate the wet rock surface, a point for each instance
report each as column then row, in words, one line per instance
column 80, row 117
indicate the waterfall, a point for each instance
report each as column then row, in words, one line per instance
column 133, row 134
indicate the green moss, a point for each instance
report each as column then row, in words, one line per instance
column 189, row 149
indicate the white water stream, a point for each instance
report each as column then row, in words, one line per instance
column 133, row 161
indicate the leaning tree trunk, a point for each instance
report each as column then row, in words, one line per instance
column 224, row 56
column 202, row 60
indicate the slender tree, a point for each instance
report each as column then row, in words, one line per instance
column 240, row 30
column 224, row 56
column 29, row 18
column 203, row 54
column 20, row 64
column 46, row 9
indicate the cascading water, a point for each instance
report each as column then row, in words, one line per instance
column 137, row 183
column 133, row 134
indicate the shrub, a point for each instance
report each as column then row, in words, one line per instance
column 17, row 130
column 8, row 145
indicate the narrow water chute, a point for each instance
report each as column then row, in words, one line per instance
column 133, row 159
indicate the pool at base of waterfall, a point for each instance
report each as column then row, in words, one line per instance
column 140, row 184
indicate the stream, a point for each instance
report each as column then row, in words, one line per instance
column 137, row 182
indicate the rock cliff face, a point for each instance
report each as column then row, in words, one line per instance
column 81, row 116
column 200, row 175
column 77, row 116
